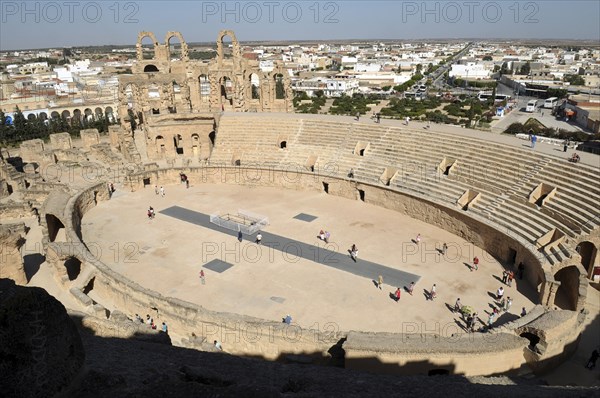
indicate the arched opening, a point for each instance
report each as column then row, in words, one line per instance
column 178, row 141
column 568, row 291
column 109, row 114
column 148, row 49
column 195, row 144
column 56, row 229
column 283, row 144
column 99, row 114
column 150, row 68
column 89, row 287
column 533, row 340
column 174, row 48
column 254, row 86
column 77, row 115
column 226, row 46
column 155, row 111
column 31, row 117
column 212, row 137
column 73, row 266
column 43, row 116
column 279, row 87
column 204, row 88
column 588, row 253
column 66, row 115
column 160, row 144
column 326, row 187
column 226, row 90
column 55, row 115
column 89, row 116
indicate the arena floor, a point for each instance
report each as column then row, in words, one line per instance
column 166, row 254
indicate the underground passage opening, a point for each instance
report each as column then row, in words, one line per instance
column 447, row 171
column 533, row 340
column 146, row 181
column 361, row 194
column 326, row 187
column 73, row 266
column 512, row 256
column 89, row 287
column 568, row 291
column 55, row 228
column 283, row 144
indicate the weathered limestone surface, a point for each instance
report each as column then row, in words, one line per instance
column 11, row 262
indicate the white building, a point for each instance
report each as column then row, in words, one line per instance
column 330, row 87
column 471, row 70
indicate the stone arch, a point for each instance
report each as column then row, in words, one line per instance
column 43, row 116
column 226, row 90
column 77, row 115
column 150, row 68
column 182, row 43
column 31, row 117
column 108, row 112
column 89, row 115
column 55, row 115
column 212, row 136
column 254, row 83
column 196, row 144
column 204, row 87
column 589, row 254
column 236, row 45
column 279, row 86
column 141, row 36
column 65, row 114
column 568, row 291
column 98, row 112
column 153, row 91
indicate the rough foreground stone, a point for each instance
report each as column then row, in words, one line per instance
column 40, row 349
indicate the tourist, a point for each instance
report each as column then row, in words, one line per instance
column 378, row 118
column 258, row 238
column 523, row 312
column 406, row 120
column 473, row 321
column 397, row 294
column 508, row 304
column 457, row 305
column 353, row 252
column 411, row 287
column 592, row 361
column 148, row 320
column 351, row 173
column 533, row 140
column 322, row 235
column 574, row 158
column 240, row 236
column 202, row 278
column 139, row 318
column 327, row 235
column 475, row 264
column 511, row 276
column 380, row 282
column 164, row 328
column 218, row 345
column 287, row 319
column 187, row 183
column 565, row 145
column 504, row 277
column 433, row 293
column 491, row 320
column 357, row 116
column 418, row 239
column 162, row 191
column 521, row 270
column 499, row 293
column 444, row 249
column 156, row 191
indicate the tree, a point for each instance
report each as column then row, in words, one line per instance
column 525, row 69
column 487, row 58
column 575, row 80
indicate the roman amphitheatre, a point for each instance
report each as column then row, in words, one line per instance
column 255, row 166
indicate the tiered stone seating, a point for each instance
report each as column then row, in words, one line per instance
column 503, row 175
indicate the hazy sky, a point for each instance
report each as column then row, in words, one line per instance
column 41, row 24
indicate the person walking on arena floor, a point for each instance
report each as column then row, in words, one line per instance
column 433, row 292
column 258, row 238
column 156, row 189
column 411, row 287
column 418, row 239
column 202, row 278
column 499, row 293
column 475, row 264
column 457, row 305
column 354, row 252
column 162, row 192
column 397, row 295
column 380, row 282
column 444, row 249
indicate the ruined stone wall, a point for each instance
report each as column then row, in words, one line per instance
column 11, row 262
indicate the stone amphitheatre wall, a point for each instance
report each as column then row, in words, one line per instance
column 478, row 354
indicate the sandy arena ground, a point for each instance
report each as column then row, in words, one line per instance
column 166, row 255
